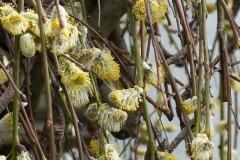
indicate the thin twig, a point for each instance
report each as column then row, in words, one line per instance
column 46, row 80
column 207, row 70
column 162, row 104
column 61, row 23
column 200, row 69
column 231, row 21
column 30, row 138
column 10, row 79
column 125, row 147
column 159, row 87
column 28, row 83
column 74, row 121
column 224, row 60
column 181, row 136
column 69, row 146
column 122, row 34
column 190, row 44
column 234, row 63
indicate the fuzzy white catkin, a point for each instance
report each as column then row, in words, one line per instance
column 111, row 119
column 3, row 158
column 110, row 152
column 27, row 45
column 202, row 147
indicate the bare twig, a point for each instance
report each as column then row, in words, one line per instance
column 231, row 21
column 46, row 80
column 180, row 137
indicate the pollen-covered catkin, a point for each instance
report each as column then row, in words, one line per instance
column 3, row 76
column 202, row 147
column 105, row 66
column 190, row 105
column 127, row 99
column 158, row 8
column 111, row 119
column 14, row 23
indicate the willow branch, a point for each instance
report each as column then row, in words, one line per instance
column 138, row 62
column 16, row 57
column 200, row 69
column 46, row 81
column 231, row 21
column 207, row 69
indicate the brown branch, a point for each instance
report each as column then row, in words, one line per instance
column 180, row 56
column 6, row 97
column 181, row 136
column 119, row 51
column 223, row 58
column 232, row 22
column 234, row 77
column 234, row 63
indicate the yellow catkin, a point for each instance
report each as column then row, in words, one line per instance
column 190, row 105
column 15, row 23
column 165, row 155
column 5, row 10
column 3, row 76
column 33, row 21
column 95, row 146
column 60, row 40
column 72, row 75
column 158, row 8
column 106, row 67
column 3, row 157
column 127, row 99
